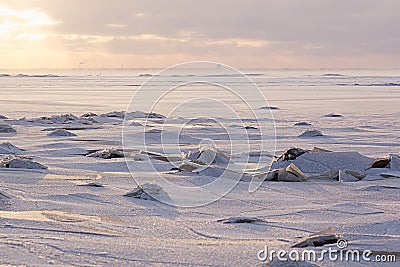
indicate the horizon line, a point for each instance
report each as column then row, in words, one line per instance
column 158, row 68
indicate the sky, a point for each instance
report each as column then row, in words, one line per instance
column 66, row 34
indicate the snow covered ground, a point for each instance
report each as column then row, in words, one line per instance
column 75, row 211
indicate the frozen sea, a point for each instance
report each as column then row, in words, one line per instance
column 75, row 212
column 368, row 100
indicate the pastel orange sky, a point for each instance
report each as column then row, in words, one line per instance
column 245, row 34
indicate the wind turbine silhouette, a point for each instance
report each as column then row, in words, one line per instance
column 81, row 64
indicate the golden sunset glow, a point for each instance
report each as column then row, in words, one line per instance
column 51, row 34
